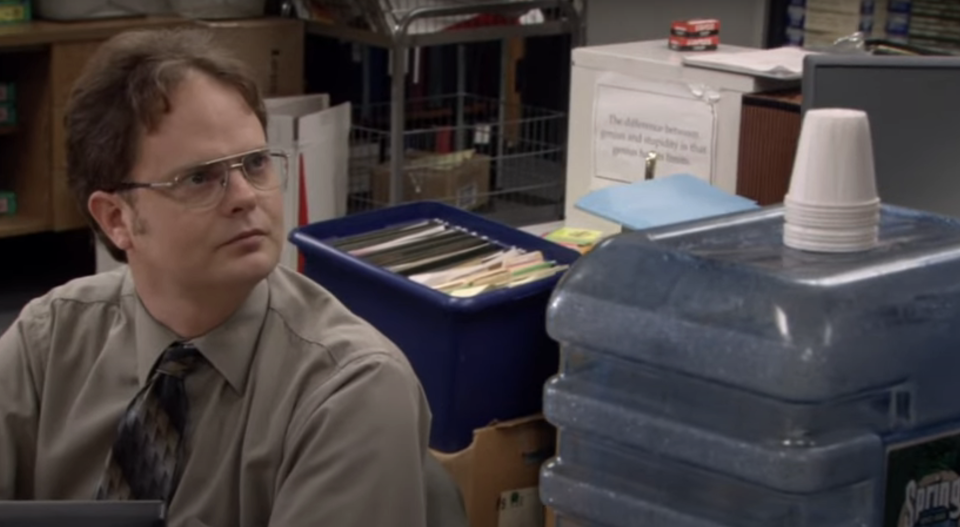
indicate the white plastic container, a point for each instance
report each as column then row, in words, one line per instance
column 93, row 9
column 650, row 77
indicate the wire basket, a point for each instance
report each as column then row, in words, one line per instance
column 414, row 17
column 502, row 160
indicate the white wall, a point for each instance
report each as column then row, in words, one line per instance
column 742, row 22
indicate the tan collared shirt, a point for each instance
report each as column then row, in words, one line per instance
column 305, row 416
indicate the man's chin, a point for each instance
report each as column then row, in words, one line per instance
column 252, row 267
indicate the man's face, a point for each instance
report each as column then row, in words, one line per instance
column 233, row 241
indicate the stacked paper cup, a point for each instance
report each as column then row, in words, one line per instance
column 832, row 204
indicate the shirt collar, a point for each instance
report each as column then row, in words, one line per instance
column 229, row 347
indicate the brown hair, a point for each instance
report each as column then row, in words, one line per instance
column 124, row 92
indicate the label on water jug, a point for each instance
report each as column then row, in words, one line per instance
column 923, row 483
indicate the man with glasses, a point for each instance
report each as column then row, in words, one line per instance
column 201, row 375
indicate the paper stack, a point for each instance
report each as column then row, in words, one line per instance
column 448, row 258
column 580, row 240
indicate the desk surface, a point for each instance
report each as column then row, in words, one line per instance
column 43, row 32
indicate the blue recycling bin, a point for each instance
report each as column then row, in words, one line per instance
column 481, row 359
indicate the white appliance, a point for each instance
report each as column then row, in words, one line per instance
column 631, row 101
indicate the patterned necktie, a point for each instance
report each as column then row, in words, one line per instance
column 144, row 461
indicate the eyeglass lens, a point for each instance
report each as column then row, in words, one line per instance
column 206, row 183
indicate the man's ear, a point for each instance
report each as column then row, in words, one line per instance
column 108, row 211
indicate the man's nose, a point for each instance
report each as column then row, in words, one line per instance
column 240, row 195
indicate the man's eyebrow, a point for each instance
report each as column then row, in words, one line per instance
column 198, row 164
column 182, row 170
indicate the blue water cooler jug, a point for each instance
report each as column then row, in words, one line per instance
column 712, row 376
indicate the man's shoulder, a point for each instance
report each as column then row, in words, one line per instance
column 95, row 291
column 315, row 316
column 330, row 349
column 80, row 309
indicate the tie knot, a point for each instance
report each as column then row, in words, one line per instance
column 179, row 360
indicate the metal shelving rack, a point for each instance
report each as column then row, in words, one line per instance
column 400, row 35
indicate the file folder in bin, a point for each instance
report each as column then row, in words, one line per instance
column 480, row 359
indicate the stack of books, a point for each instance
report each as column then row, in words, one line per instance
column 820, row 23
column 930, row 24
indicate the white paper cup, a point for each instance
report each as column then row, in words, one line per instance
column 851, row 212
column 831, row 207
column 804, row 218
column 831, row 234
column 830, row 240
column 834, row 160
column 820, row 246
column 832, row 225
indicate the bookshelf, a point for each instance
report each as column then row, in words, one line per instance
column 20, row 225
column 928, row 27
column 43, row 59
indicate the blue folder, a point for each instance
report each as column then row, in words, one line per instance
column 656, row 202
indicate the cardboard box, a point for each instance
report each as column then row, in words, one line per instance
column 14, row 11
column 272, row 47
column 499, row 473
column 461, row 182
column 694, row 44
column 706, row 27
column 316, row 136
column 551, row 518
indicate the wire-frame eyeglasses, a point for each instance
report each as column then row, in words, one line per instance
column 204, row 185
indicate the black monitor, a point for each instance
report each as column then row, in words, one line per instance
column 913, row 104
column 81, row 514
